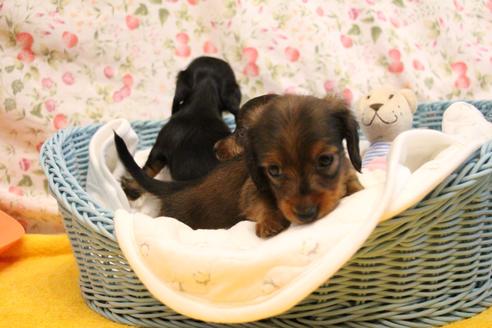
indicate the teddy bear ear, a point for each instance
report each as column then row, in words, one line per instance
column 411, row 99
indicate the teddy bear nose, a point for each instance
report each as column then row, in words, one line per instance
column 376, row 107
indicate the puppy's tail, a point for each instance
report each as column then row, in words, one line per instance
column 154, row 186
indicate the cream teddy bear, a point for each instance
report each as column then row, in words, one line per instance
column 383, row 114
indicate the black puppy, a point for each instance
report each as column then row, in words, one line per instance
column 218, row 70
column 205, row 89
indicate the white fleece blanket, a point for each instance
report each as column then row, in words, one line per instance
column 231, row 276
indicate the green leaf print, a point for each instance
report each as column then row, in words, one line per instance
column 429, row 82
column 25, row 181
column 355, row 30
column 34, row 72
column 9, row 104
column 142, row 10
column 399, row 3
column 375, row 33
column 163, row 15
column 36, row 111
column 45, row 185
column 9, row 69
column 156, row 2
column 17, row 86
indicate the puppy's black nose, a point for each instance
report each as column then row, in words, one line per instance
column 306, row 214
column 376, row 107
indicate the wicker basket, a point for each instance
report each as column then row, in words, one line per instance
column 429, row 266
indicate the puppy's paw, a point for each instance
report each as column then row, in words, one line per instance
column 270, row 228
column 227, row 148
column 131, row 188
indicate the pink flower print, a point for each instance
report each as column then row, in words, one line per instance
column 329, row 85
column 108, row 72
column 346, row 41
column 395, row 22
column 320, row 11
column 16, row 191
column 380, row 15
column 347, row 95
column 489, row 5
column 47, row 83
column 117, row 96
column 457, row 5
column 396, row 67
column 24, row 164
column 183, row 50
column 132, row 22
column 370, row 2
column 127, row 80
column 463, row 82
column 394, row 54
column 69, row 39
column 125, row 91
column 50, row 105
column 459, row 68
column 442, row 23
column 292, row 54
column 25, row 40
column 60, row 121
column 209, row 48
column 354, row 13
column 251, row 54
column 251, row 69
column 68, row 78
column 26, row 56
column 182, row 38
column 417, row 65
column 193, row 2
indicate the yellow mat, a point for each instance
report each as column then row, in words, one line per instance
column 39, row 288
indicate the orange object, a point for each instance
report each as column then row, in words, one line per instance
column 10, row 231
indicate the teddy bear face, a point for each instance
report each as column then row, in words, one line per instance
column 384, row 113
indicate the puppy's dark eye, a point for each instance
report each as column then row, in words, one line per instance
column 325, row 161
column 274, row 171
column 391, row 96
column 368, row 97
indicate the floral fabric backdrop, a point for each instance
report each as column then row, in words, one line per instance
column 73, row 62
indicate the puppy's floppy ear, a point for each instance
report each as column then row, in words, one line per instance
column 183, row 90
column 231, row 97
column 257, row 173
column 348, row 128
column 411, row 99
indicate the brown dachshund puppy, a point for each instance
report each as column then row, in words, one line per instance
column 294, row 170
column 297, row 161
